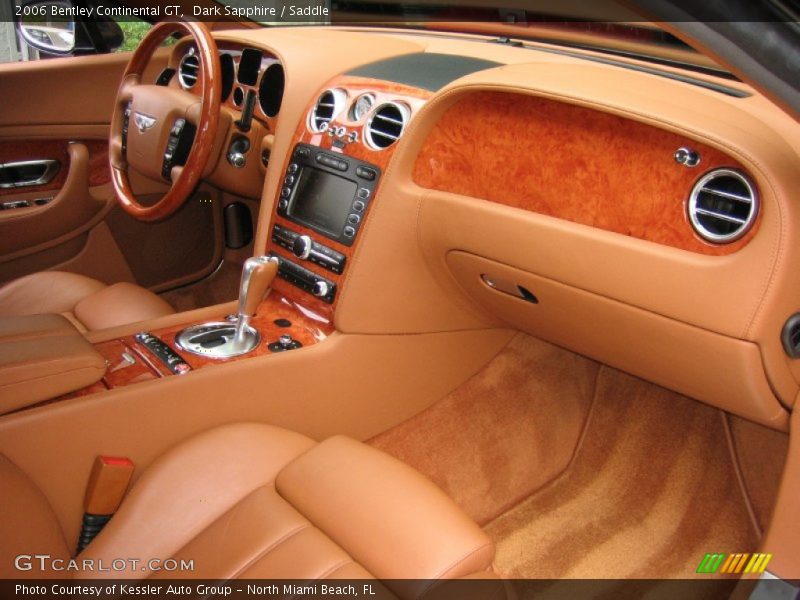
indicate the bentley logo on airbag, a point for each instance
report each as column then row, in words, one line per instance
column 143, row 122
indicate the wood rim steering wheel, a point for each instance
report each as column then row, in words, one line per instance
column 153, row 112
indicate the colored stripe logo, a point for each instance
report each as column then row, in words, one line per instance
column 734, row 563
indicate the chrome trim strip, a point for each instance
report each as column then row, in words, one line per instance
column 51, row 168
column 701, row 187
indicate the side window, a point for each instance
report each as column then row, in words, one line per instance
column 38, row 34
column 134, row 31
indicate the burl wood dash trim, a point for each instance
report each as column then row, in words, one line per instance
column 570, row 162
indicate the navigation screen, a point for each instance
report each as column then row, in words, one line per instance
column 322, row 200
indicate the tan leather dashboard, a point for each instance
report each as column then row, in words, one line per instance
column 708, row 301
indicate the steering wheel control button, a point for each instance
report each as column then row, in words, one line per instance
column 177, row 128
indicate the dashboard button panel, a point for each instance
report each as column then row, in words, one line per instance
column 364, row 177
column 306, row 280
column 317, row 253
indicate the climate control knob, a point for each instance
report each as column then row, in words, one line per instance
column 321, row 289
column 302, row 246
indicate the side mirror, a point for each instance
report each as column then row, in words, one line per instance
column 46, row 26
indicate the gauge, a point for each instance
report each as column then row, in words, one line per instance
column 227, row 71
column 362, row 106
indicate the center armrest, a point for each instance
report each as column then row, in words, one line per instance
column 42, row 357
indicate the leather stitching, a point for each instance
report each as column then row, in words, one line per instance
column 455, row 564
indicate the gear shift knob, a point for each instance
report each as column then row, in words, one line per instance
column 257, row 276
column 223, row 340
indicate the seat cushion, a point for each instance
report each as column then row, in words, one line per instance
column 255, row 501
column 46, row 292
column 119, row 304
column 28, row 525
column 88, row 303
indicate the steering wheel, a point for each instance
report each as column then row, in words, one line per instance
column 151, row 116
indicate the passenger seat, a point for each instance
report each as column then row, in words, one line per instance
column 255, row 501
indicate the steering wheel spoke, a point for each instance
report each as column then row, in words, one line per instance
column 164, row 133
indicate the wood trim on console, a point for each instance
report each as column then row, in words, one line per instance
column 570, row 162
column 306, row 328
column 384, row 91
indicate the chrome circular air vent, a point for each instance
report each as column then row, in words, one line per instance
column 386, row 125
column 329, row 104
column 723, row 206
column 188, row 70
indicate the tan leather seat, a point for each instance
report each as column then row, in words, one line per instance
column 87, row 302
column 255, row 501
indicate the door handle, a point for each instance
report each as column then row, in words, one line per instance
column 27, row 173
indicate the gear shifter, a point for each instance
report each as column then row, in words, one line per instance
column 225, row 339
column 257, row 276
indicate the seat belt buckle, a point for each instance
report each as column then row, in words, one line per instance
column 108, row 482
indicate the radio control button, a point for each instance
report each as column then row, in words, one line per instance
column 349, row 231
column 366, row 173
column 289, row 180
column 320, row 289
column 286, row 192
column 359, row 206
column 363, row 193
column 293, row 168
column 283, row 204
column 353, row 219
column 302, row 246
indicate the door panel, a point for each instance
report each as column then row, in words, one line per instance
column 65, row 91
column 60, row 109
column 41, row 216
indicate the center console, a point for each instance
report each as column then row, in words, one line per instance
column 331, row 182
column 327, row 193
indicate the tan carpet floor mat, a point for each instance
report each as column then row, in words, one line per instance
column 650, row 489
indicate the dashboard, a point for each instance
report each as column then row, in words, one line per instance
column 422, row 183
column 252, row 80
